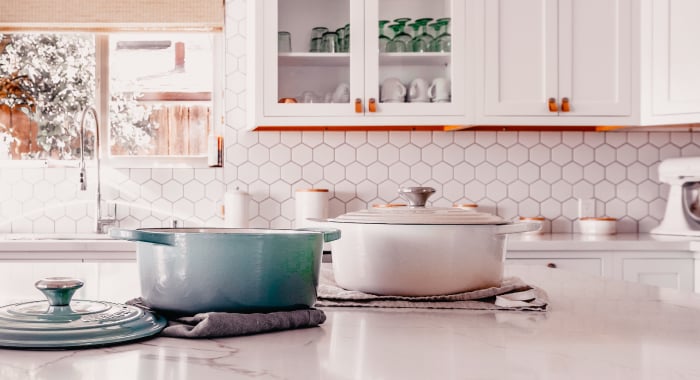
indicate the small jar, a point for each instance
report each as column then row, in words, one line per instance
column 598, row 225
column 310, row 204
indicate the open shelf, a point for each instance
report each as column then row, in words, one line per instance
column 409, row 59
column 343, row 59
column 314, row 59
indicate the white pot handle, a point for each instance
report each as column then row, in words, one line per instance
column 517, row 227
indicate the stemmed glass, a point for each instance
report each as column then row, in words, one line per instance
column 402, row 40
column 443, row 42
column 421, row 42
column 415, row 33
column 437, row 27
column 383, row 39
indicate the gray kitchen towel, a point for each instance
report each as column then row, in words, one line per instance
column 220, row 325
column 513, row 294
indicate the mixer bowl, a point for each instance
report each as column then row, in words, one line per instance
column 691, row 200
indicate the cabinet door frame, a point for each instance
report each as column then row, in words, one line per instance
column 496, row 102
column 665, row 102
column 618, row 102
column 262, row 76
column 557, row 73
column 270, row 58
column 458, row 103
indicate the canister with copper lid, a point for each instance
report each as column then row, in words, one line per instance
column 310, row 203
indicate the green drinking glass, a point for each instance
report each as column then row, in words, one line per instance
column 437, row 27
column 422, row 41
column 443, row 42
column 401, row 42
column 383, row 38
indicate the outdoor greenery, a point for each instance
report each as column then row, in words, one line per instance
column 52, row 78
column 16, row 92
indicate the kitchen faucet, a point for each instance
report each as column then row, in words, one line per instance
column 100, row 222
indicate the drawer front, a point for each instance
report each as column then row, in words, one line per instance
column 587, row 266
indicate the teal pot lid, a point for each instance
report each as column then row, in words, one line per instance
column 60, row 322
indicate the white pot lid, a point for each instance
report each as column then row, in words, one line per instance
column 419, row 215
column 415, row 212
column 60, row 322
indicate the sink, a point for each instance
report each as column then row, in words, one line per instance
column 55, row 236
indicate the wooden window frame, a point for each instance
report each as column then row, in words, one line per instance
column 156, row 161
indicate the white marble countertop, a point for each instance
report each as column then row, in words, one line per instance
column 594, row 329
column 93, row 246
column 617, row 242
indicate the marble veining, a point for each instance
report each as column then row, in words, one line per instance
column 594, row 329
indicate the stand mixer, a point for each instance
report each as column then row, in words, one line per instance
column 682, row 215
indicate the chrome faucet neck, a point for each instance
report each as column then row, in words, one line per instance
column 100, row 222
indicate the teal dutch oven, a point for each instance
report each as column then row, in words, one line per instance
column 189, row 270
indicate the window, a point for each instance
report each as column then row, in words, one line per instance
column 163, row 105
column 158, row 102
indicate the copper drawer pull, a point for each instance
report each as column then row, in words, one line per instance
column 565, row 106
column 551, row 265
column 358, row 105
column 372, row 105
column 552, row 105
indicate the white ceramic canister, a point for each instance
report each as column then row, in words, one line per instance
column 598, row 225
column 236, row 209
column 310, row 203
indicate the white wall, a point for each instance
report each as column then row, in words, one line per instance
column 508, row 173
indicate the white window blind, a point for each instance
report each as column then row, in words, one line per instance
column 111, row 15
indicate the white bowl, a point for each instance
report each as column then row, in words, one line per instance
column 597, row 226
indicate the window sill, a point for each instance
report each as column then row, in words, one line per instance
column 145, row 162
column 115, row 162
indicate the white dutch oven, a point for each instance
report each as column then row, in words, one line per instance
column 419, row 251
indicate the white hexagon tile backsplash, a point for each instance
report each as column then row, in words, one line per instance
column 508, row 173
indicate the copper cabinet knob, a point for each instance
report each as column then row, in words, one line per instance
column 565, row 105
column 372, row 105
column 358, row 105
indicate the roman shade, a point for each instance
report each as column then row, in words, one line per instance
column 111, row 15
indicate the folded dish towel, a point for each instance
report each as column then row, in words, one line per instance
column 513, row 294
column 219, row 325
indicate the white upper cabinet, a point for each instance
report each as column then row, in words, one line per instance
column 509, row 63
column 359, row 82
column 557, row 58
column 675, row 62
column 587, row 62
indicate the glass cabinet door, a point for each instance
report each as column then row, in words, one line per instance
column 414, row 56
column 313, row 57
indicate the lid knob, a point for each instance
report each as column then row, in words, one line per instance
column 416, row 196
column 59, row 290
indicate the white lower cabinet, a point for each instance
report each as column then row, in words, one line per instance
column 665, row 273
column 674, row 269
column 114, row 280
column 17, row 278
column 117, row 280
